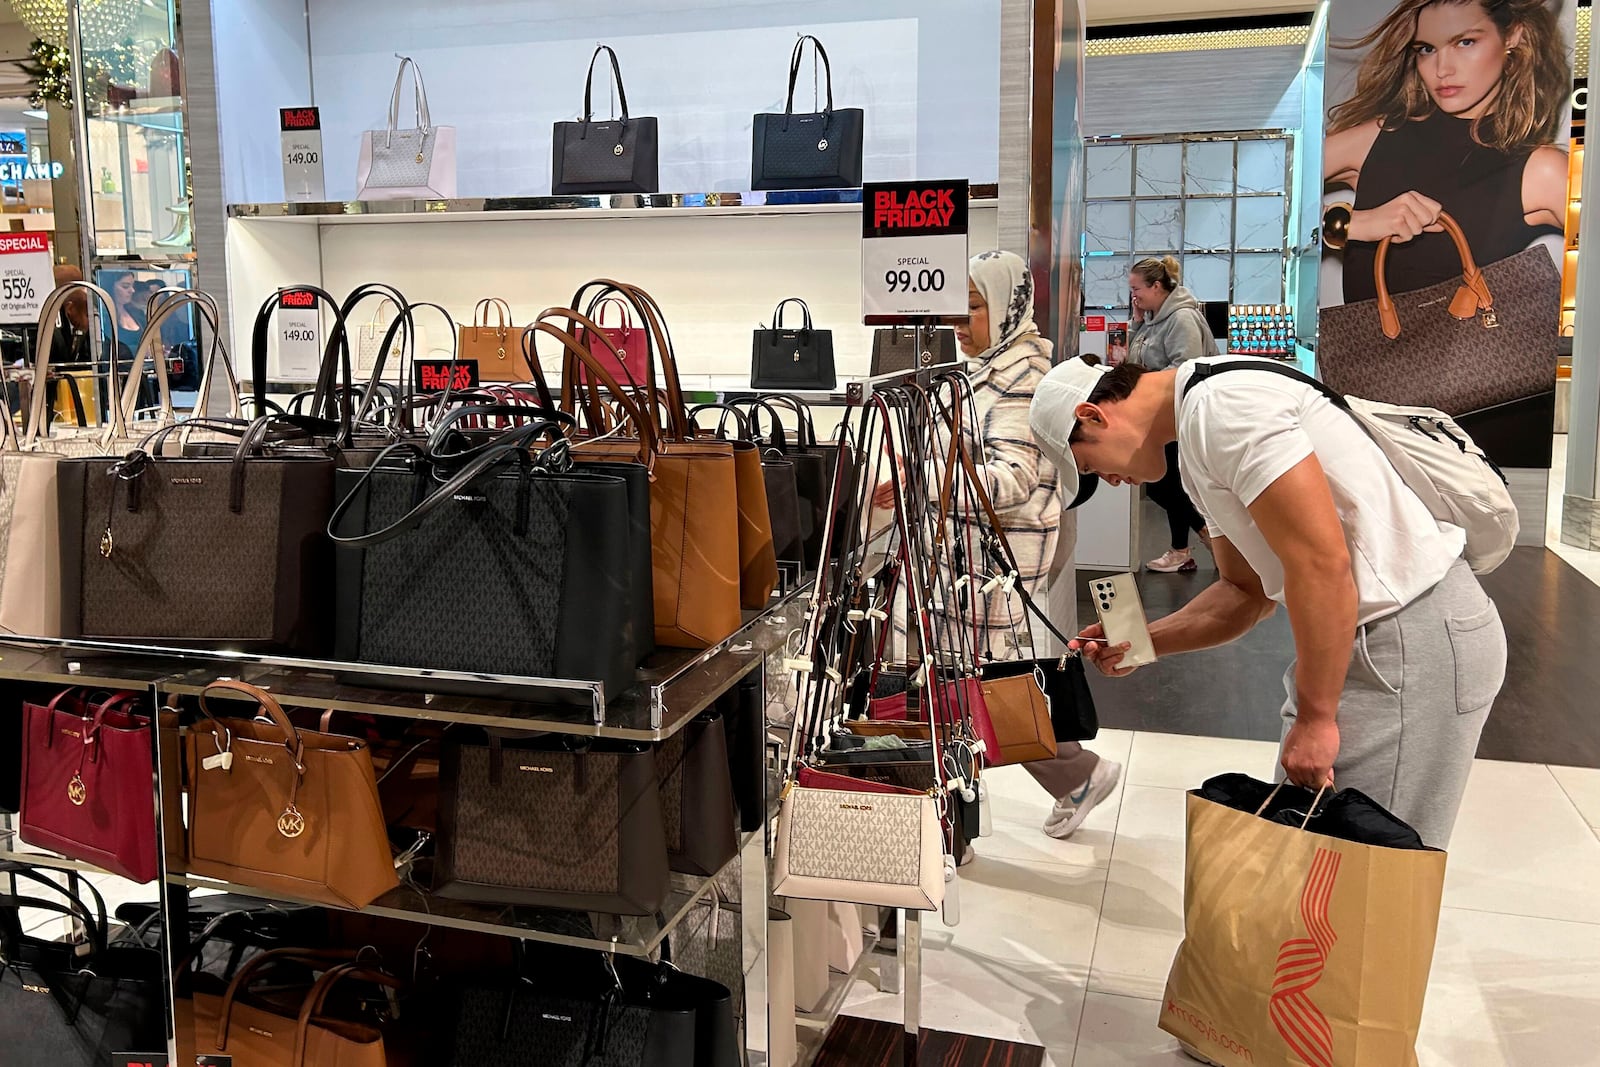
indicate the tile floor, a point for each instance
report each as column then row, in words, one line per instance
column 1067, row 944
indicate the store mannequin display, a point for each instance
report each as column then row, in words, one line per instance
column 1007, row 358
column 1169, row 327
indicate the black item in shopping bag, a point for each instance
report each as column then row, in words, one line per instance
column 782, row 358
column 1348, row 814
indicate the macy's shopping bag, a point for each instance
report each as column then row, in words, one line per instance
column 1302, row 946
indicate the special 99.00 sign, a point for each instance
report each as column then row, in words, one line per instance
column 913, row 251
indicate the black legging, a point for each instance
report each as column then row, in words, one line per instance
column 1169, row 496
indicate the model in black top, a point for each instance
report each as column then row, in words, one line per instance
column 1455, row 109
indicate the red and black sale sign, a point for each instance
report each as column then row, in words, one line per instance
column 437, row 375
column 299, row 118
column 914, row 209
column 913, row 251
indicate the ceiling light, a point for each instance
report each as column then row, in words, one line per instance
column 105, row 23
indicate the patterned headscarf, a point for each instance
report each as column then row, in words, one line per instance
column 1006, row 285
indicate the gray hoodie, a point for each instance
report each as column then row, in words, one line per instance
column 1176, row 333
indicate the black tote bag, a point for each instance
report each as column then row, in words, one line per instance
column 820, row 150
column 613, row 156
column 783, row 358
column 544, row 549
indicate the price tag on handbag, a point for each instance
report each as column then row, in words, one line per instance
column 299, row 337
column 301, row 136
column 913, row 251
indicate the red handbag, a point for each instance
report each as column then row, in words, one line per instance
column 968, row 695
column 632, row 341
column 87, row 782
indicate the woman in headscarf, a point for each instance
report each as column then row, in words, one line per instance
column 1007, row 357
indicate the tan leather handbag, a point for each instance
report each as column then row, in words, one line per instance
column 258, row 1033
column 1020, row 715
column 496, row 347
column 283, row 809
column 694, row 504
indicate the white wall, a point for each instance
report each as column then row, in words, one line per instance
column 503, row 71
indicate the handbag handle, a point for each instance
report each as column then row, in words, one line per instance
column 271, row 957
column 598, row 313
column 49, row 315
column 794, row 74
column 806, row 429
column 588, row 87
column 347, row 310
column 216, row 355
column 480, row 314
column 73, row 906
column 336, row 354
column 292, row 742
column 1471, row 298
column 740, row 423
column 777, row 314
column 419, row 100
column 658, row 346
column 778, row 438
column 600, row 376
column 317, row 998
column 510, row 445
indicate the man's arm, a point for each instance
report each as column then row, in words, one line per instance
column 1296, row 515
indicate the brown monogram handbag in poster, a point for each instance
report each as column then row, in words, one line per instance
column 284, row 809
column 1459, row 346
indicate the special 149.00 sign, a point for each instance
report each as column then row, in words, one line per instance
column 913, row 251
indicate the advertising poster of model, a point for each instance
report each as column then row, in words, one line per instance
column 1444, row 195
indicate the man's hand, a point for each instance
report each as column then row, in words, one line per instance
column 1310, row 750
column 1091, row 644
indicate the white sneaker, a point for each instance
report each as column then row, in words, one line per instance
column 1175, row 560
column 1070, row 811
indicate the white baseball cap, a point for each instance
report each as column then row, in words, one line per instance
column 1053, row 416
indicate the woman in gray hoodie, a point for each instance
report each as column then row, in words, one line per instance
column 1169, row 327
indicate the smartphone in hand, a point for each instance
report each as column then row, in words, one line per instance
column 1116, row 601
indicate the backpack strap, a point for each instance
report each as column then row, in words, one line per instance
column 1204, row 371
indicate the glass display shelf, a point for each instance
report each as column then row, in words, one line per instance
column 164, row 113
column 635, row 936
column 608, row 205
column 673, row 686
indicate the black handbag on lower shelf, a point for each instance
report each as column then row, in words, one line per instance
column 539, row 823
column 697, row 809
column 545, row 548
column 80, row 999
column 782, row 358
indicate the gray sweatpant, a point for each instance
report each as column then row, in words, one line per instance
column 1419, row 690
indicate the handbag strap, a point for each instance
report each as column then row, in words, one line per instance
column 658, row 347
column 513, row 444
column 794, row 74
column 480, row 314
column 419, row 100
column 265, row 702
column 598, row 313
column 72, row 905
column 335, row 355
column 805, row 429
column 740, row 423
column 599, row 376
column 588, row 86
column 216, row 356
column 778, row 438
column 315, row 1000
column 777, row 313
column 383, row 294
column 270, row 958
column 49, row 316
column 1472, row 297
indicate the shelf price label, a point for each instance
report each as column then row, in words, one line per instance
column 299, row 336
column 301, row 136
column 26, row 276
column 913, row 251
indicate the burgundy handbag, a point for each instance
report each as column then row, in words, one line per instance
column 87, row 782
column 632, row 341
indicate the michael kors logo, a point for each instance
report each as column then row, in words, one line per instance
column 70, row 733
column 259, row 759
column 556, row 1018
column 855, row 807
column 35, row 988
column 469, row 498
column 188, row 481
column 291, row 823
column 537, row 770
column 257, row 1030
column 77, row 792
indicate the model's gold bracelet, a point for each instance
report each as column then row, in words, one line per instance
column 1336, row 226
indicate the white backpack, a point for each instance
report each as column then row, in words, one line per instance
column 1436, row 459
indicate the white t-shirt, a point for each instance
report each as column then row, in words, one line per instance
column 1239, row 432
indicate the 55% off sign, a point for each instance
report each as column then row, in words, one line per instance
column 913, row 252
column 26, row 276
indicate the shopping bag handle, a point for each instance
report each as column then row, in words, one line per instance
column 1309, row 811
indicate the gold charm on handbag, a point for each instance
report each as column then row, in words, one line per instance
column 106, row 544
column 77, row 792
column 291, row 823
column 1491, row 321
